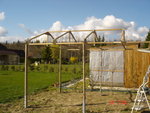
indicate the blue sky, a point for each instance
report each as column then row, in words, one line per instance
column 36, row 15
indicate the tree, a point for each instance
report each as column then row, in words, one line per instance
column 6, row 42
column 147, row 39
column 37, row 41
column 46, row 54
column 55, row 53
column 103, row 39
column 100, row 39
column 18, row 42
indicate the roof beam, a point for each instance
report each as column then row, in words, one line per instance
column 73, row 36
column 73, row 31
column 77, row 43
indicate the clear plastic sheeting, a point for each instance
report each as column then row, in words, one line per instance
column 107, row 67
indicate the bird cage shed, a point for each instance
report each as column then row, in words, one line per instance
column 118, row 66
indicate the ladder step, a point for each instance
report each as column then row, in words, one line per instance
column 138, row 107
column 142, row 91
column 141, row 100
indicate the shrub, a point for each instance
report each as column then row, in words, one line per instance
column 6, row 68
column 13, row 68
column 45, row 68
column 19, row 68
column 23, row 68
column 51, row 69
column 56, row 70
column 37, row 68
column 2, row 67
column 31, row 67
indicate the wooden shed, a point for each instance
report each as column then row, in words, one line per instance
column 118, row 66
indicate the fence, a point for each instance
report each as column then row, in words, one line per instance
column 136, row 64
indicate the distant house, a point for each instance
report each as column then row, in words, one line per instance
column 9, row 56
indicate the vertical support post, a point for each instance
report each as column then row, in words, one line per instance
column 69, row 36
column 101, row 73
column 26, row 77
column 123, row 41
column 94, row 37
column 60, row 69
column 112, row 82
column 84, row 83
column 47, row 38
column 123, row 36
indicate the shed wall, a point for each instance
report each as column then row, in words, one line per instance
column 107, row 67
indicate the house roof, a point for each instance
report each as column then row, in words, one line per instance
column 2, row 47
column 7, row 52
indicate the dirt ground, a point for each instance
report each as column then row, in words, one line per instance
column 70, row 101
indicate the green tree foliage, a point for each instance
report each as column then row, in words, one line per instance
column 103, row 39
column 46, row 54
column 147, row 39
column 55, row 53
column 37, row 41
column 100, row 39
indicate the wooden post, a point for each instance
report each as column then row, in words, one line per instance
column 123, row 36
column 26, row 77
column 84, row 82
column 60, row 69
column 101, row 73
column 69, row 37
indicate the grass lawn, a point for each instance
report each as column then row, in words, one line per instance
column 12, row 83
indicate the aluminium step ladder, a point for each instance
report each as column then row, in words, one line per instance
column 141, row 94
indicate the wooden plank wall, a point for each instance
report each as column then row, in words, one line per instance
column 136, row 64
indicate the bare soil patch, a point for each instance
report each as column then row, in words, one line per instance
column 70, row 101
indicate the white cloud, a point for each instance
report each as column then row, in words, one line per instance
column 142, row 30
column 57, row 26
column 2, row 16
column 11, row 38
column 108, row 22
column 3, row 31
column 26, row 29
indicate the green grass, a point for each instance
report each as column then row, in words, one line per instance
column 12, row 82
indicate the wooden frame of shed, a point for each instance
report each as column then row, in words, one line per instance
column 83, row 43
